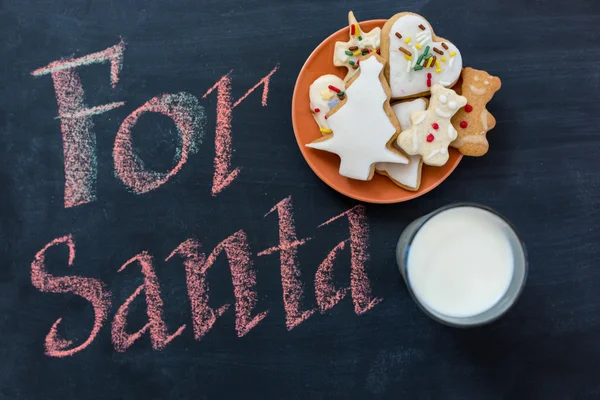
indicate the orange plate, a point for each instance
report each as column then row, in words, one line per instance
column 378, row 190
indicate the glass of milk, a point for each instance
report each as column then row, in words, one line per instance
column 464, row 264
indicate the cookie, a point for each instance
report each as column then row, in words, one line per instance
column 474, row 121
column 407, row 176
column 417, row 59
column 360, row 43
column 323, row 94
column 363, row 124
column 431, row 131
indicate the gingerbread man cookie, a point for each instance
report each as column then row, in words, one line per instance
column 431, row 131
column 364, row 125
column 360, row 43
column 474, row 121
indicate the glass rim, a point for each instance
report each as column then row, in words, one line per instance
column 422, row 221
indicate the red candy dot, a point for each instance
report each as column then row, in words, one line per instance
column 435, row 126
column 468, row 108
column 317, row 110
column 464, row 124
column 430, row 138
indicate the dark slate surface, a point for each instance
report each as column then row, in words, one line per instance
column 541, row 172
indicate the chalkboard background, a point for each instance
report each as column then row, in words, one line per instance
column 541, row 172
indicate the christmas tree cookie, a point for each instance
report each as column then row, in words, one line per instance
column 363, row 125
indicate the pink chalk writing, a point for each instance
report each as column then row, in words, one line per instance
column 79, row 139
column 224, row 176
column 113, row 54
column 243, row 278
column 92, row 290
column 203, row 315
column 188, row 115
column 293, row 290
column 327, row 295
column 154, row 309
column 359, row 255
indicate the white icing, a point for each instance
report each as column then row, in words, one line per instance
column 432, row 154
column 405, row 174
column 477, row 139
column 484, row 120
column 321, row 84
column 452, row 132
column 452, row 105
column 414, row 59
column 476, row 90
column 417, row 118
column 403, row 83
column 404, row 110
column 443, row 99
column 415, row 147
column 443, row 114
column 361, row 128
column 444, row 150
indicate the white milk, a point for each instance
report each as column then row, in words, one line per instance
column 460, row 262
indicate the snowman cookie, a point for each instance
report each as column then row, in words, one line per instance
column 417, row 59
column 360, row 43
column 407, row 176
column 325, row 93
column 431, row 131
column 474, row 121
column 363, row 124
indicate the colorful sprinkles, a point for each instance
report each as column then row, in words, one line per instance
column 334, row 89
column 445, row 46
column 421, row 27
column 325, row 130
column 399, row 36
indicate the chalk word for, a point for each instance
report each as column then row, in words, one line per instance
column 79, row 138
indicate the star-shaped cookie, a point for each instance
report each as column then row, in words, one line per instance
column 360, row 43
